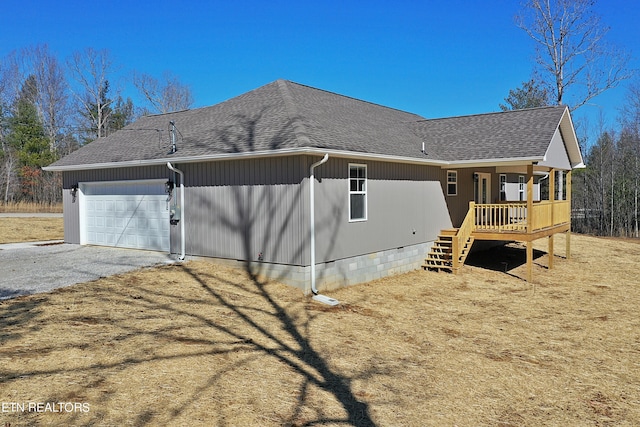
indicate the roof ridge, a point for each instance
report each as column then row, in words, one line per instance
column 547, row 107
column 291, row 110
column 353, row 98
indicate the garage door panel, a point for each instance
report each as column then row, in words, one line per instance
column 127, row 215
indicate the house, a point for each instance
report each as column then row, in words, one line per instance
column 234, row 181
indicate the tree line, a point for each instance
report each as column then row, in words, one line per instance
column 608, row 189
column 575, row 63
column 51, row 106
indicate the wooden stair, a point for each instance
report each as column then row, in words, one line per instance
column 441, row 255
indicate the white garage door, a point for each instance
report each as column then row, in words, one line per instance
column 126, row 214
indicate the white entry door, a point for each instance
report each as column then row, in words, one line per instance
column 483, row 188
column 126, row 214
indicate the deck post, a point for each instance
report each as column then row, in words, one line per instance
column 530, row 198
column 529, row 261
column 472, row 209
column 552, row 192
column 529, row 222
column 550, row 252
column 455, row 258
column 569, row 201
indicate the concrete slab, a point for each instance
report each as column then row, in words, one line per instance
column 32, row 267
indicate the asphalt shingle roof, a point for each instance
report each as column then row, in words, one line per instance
column 287, row 115
column 504, row 135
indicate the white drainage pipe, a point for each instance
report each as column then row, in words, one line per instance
column 182, row 237
column 316, row 296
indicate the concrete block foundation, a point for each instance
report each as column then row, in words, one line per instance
column 347, row 271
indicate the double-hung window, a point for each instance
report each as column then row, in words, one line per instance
column 503, row 187
column 452, row 183
column 357, row 192
column 521, row 188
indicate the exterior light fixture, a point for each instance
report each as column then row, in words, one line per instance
column 169, row 186
column 74, row 192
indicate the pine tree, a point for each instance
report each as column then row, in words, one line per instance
column 27, row 136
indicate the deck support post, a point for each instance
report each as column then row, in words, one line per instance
column 568, row 180
column 550, row 251
column 552, row 192
column 455, row 260
column 529, row 261
column 530, row 198
column 529, row 222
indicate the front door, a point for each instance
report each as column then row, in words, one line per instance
column 483, row 188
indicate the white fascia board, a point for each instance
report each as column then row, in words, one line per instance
column 571, row 140
column 249, row 155
column 484, row 163
column 301, row 151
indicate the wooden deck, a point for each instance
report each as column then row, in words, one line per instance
column 501, row 222
column 510, row 221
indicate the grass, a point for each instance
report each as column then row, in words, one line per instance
column 14, row 230
column 29, row 207
column 202, row 344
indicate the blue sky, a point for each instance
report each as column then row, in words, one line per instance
column 434, row 58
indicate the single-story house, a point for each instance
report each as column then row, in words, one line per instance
column 287, row 176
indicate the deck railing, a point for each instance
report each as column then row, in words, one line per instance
column 512, row 216
column 463, row 234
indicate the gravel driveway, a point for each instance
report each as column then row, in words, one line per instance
column 28, row 269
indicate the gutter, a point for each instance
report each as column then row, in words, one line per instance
column 519, row 161
column 247, row 155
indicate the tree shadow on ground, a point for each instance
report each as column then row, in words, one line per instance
column 294, row 350
column 228, row 325
column 22, row 313
column 259, row 216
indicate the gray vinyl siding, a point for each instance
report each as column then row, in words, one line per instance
column 405, row 206
column 71, row 217
column 242, row 208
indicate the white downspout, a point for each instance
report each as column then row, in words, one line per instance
column 312, row 227
column 182, row 238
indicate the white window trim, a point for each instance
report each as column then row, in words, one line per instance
column 366, row 185
column 503, row 186
column 455, row 173
column 521, row 188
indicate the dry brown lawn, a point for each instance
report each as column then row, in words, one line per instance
column 14, row 230
column 27, row 207
column 200, row 344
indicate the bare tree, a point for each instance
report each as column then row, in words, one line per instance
column 90, row 68
column 9, row 87
column 572, row 53
column 631, row 124
column 165, row 95
column 52, row 95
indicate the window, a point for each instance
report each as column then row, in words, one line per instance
column 521, row 189
column 503, row 187
column 357, row 192
column 452, row 183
